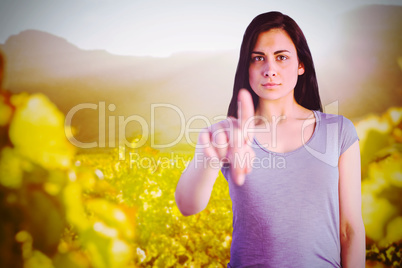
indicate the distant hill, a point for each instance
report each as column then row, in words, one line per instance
column 362, row 74
column 195, row 83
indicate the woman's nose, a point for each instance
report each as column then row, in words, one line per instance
column 269, row 70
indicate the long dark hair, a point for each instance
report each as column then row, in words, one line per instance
column 306, row 90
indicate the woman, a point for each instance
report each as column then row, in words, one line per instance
column 293, row 171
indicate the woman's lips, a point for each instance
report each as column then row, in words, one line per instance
column 270, row 85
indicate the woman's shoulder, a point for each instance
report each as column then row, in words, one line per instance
column 344, row 125
column 332, row 118
column 340, row 128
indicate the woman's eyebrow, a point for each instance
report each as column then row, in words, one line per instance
column 276, row 52
column 281, row 51
column 257, row 52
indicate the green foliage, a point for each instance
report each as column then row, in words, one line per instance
column 164, row 237
column 62, row 209
column 54, row 213
column 381, row 138
column 381, row 148
column 390, row 256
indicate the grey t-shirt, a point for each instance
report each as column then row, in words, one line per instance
column 286, row 214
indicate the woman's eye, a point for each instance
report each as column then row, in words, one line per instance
column 281, row 57
column 258, row 58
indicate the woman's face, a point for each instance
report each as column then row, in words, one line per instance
column 274, row 65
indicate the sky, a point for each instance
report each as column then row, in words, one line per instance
column 160, row 28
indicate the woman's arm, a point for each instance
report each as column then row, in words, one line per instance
column 195, row 185
column 224, row 141
column 353, row 251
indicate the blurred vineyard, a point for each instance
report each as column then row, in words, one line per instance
column 64, row 208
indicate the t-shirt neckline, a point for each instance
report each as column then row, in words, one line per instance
column 317, row 125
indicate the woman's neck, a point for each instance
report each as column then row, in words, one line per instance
column 280, row 109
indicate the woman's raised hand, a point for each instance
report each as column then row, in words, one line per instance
column 229, row 141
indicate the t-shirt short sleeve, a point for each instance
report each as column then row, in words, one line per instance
column 348, row 135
